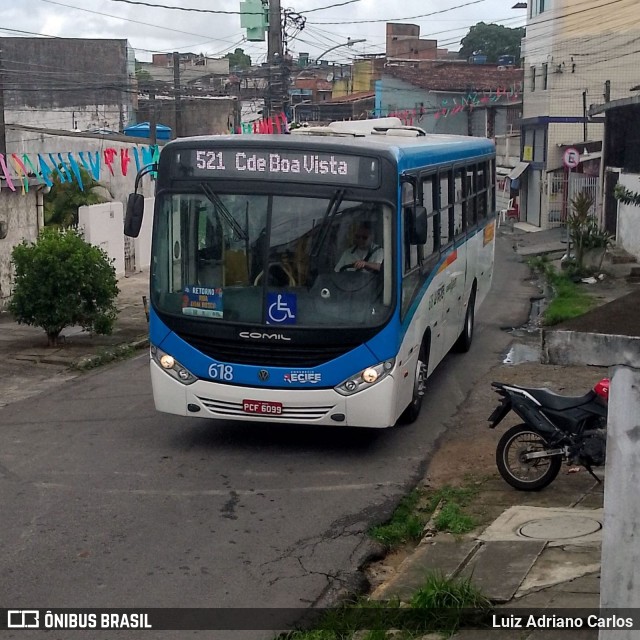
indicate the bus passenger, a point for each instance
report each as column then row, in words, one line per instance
column 364, row 254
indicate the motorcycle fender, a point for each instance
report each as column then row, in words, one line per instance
column 499, row 413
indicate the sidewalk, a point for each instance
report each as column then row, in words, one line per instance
column 30, row 366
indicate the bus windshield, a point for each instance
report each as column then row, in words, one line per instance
column 273, row 259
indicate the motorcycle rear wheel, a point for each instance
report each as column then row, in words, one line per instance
column 524, row 475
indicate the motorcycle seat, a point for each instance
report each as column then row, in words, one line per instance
column 551, row 400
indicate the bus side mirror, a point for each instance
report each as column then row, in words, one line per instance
column 134, row 215
column 418, row 226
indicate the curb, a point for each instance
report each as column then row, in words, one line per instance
column 109, row 354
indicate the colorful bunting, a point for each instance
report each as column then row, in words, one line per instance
column 43, row 166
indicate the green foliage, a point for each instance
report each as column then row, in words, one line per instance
column 449, row 601
column 493, row 40
column 62, row 281
column 406, row 523
column 62, row 202
column 453, row 520
column 143, row 76
column 569, row 300
column 584, row 231
column 238, row 59
column 626, row 196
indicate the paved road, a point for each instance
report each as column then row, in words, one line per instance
column 106, row 503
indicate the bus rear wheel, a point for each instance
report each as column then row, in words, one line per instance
column 412, row 411
column 463, row 343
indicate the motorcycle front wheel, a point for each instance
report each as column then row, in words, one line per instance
column 525, row 475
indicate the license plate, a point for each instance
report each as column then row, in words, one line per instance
column 262, row 407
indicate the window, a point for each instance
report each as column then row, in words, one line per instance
column 472, row 212
column 533, row 78
column 460, row 207
column 545, row 76
column 447, row 200
column 411, row 256
column 482, row 177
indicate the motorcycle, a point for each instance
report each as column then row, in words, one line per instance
column 555, row 428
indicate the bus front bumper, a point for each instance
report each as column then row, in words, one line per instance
column 374, row 407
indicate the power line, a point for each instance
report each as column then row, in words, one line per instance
column 219, row 11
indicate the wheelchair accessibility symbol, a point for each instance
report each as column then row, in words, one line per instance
column 282, row 308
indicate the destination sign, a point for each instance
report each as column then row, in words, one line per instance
column 283, row 165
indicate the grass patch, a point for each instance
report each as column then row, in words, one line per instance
column 442, row 604
column 105, row 356
column 406, row 523
column 412, row 514
column 569, row 299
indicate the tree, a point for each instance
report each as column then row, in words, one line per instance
column 239, row 59
column 62, row 281
column 493, row 40
column 584, row 231
column 626, row 196
column 62, row 202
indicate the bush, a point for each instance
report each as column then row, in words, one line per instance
column 62, row 281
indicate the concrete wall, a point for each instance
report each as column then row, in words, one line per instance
column 68, row 83
column 21, row 215
column 397, row 95
column 628, row 233
column 102, row 226
column 200, row 116
column 33, row 141
column 142, row 244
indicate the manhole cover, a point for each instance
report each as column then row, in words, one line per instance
column 559, row 528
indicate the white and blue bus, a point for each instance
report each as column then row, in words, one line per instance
column 257, row 315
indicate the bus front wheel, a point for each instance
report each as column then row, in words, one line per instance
column 412, row 412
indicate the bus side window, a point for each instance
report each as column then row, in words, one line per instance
column 412, row 257
column 472, row 213
column 460, row 207
column 481, row 190
column 429, row 203
column 446, row 208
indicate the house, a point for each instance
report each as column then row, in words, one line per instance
column 621, row 165
column 575, row 53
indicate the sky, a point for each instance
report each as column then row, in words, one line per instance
column 152, row 29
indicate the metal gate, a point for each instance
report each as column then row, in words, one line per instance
column 562, row 188
column 129, row 255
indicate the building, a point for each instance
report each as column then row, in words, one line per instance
column 576, row 53
column 621, row 165
column 68, row 83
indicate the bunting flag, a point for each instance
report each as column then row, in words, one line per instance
column 16, row 170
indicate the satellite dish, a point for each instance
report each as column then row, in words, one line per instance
column 330, row 77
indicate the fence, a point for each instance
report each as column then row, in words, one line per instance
column 562, row 188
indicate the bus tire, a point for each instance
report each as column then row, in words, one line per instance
column 463, row 343
column 411, row 413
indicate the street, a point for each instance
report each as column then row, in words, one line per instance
column 107, row 503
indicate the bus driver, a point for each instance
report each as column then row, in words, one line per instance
column 364, row 254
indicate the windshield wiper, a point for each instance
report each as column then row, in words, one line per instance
column 231, row 221
column 332, row 209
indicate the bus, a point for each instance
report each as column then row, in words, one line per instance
column 255, row 312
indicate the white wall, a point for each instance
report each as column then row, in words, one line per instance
column 142, row 244
column 33, row 141
column 103, row 227
column 21, row 215
column 628, row 234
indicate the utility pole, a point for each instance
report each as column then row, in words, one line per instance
column 177, row 93
column 3, row 135
column 153, row 117
column 276, row 97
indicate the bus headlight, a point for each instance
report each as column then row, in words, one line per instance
column 366, row 378
column 171, row 366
